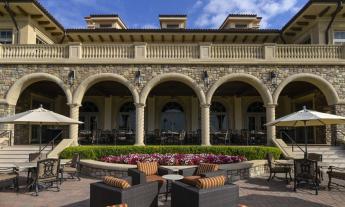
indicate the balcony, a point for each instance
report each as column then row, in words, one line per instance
column 141, row 53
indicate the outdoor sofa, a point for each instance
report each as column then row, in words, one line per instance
column 184, row 195
column 141, row 195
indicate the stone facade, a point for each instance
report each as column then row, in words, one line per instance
column 328, row 78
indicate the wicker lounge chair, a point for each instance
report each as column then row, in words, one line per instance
column 139, row 177
column 191, row 174
column 184, row 195
column 142, row 195
column 9, row 174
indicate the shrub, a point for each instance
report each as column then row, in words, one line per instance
column 173, row 159
column 97, row 152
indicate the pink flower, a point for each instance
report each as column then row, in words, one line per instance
column 173, row 159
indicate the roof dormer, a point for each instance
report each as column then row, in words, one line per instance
column 173, row 21
column 96, row 21
column 241, row 21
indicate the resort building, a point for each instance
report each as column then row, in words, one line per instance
column 175, row 84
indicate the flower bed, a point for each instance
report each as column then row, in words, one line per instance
column 174, row 159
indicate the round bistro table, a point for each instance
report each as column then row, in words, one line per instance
column 170, row 178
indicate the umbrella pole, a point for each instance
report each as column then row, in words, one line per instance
column 40, row 137
column 305, row 141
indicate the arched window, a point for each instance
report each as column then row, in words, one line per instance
column 173, row 117
column 218, row 117
column 256, row 116
column 127, row 116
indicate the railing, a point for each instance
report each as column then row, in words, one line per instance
column 184, row 52
column 293, row 142
column 237, row 51
column 308, row 52
column 51, row 142
column 108, row 51
column 34, row 52
column 172, row 51
column 6, row 134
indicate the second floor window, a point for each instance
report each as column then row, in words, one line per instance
column 339, row 37
column 6, row 37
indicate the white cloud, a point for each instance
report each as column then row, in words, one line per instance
column 215, row 11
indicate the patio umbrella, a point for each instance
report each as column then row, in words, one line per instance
column 39, row 117
column 305, row 118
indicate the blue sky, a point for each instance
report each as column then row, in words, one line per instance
column 201, row 13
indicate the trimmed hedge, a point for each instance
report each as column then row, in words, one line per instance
column 96, row 152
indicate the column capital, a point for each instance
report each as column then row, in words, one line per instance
column 139, row 105
column 205, row 105
column 270, row 105
column 74, row 105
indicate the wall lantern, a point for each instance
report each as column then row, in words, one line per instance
column 71, row 77
column 206, row 79
column 273, row 78
column 138, row 78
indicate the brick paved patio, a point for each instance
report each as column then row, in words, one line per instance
column 254, row 192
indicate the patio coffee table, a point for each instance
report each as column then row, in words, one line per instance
column 170, row 178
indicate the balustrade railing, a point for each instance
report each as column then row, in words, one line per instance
column 34, row 51
column 108, row 51
column 237, row 51
column 308, row 52
column 172, row 51
column 226, row 52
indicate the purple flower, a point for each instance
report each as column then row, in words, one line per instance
column 173, row 159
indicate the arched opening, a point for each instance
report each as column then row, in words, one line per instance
column 126, row 117
column 110, row 110
column 88, row 115
column 234, row 114
column 173, row 117
column 52, row 97
column 293, row 97
column 172, row 108
column 218, row 117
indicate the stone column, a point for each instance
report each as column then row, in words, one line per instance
column 73, row 129
column 139, row 122
column 270, row 116
column 205, row 125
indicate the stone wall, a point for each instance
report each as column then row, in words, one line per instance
column 333, row 74
column 329, row 73
column 237, row 171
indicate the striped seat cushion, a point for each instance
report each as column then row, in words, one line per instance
column 211, row 182
column 119, row 205
column 206, row 167
column 116, row 182
column 148, row 168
